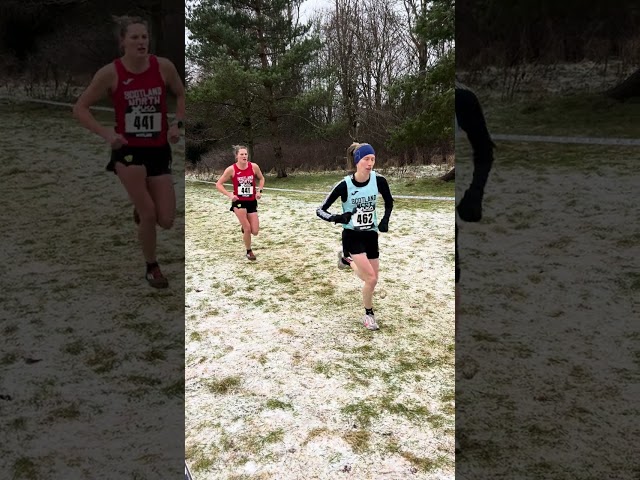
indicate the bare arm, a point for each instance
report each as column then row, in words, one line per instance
column 174, row 82
column 225, row 177
column 258, row 173
column 97, row 89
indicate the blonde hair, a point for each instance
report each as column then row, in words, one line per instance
column 351, row 150
column 237, row 148
column 124, row 22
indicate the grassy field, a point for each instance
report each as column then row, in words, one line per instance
column 549, row 340
column 92, row 361
column 282, row 379
column 581, row 114
column 402, row 184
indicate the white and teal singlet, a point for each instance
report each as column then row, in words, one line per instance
column 364, row 200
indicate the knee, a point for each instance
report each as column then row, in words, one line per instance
column 371, row 279
column 165, row 222
column 255, row 230
column 147, row 216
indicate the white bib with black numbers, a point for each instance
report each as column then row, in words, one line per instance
column 362, row 220
column 143, row 121
column 245, row 190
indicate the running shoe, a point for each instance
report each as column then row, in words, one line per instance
column 156, row 279
column 369, row 322
column 250, row 255
column 341, row 264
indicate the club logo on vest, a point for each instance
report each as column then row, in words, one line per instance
column 143, row 109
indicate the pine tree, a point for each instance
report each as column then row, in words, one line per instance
column 252, row 53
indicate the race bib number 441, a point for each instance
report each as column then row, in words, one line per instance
column 143, row 123
column 245, row 190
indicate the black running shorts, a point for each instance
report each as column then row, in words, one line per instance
column 360, row 242
column 157, row 160
column 251, row 206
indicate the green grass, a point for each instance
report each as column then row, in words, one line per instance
column 8, row 359
column 366, row 411
column 102, row 359
column 155, row 354
column 68, row 412
column 425, row 464
column 273, row 436
column 631, row 281
column 223, row 385
column 26, row 110
column 314, row 433
column 75, row 347
column 323, row 368
column 324, row 182
column 19, row 423
column 199, row 458
column 358, row 440
column 275, row 404
column 9, row 329
column 145, row 381
column 576, row 115
column 579, row 115
column 363, row 411
column 554, row 156
column 25, row 469
column 175, row 389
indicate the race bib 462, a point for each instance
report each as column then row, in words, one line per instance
column 362, row 220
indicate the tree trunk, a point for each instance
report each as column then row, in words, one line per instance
column 270, row 101
column 281, row 172
column 629, row 88
column 449, row 176
column 275, row 135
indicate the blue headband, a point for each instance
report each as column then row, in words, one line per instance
column 362, row 152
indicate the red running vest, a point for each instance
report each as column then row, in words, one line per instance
column 244, row 182
column 140, row 102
